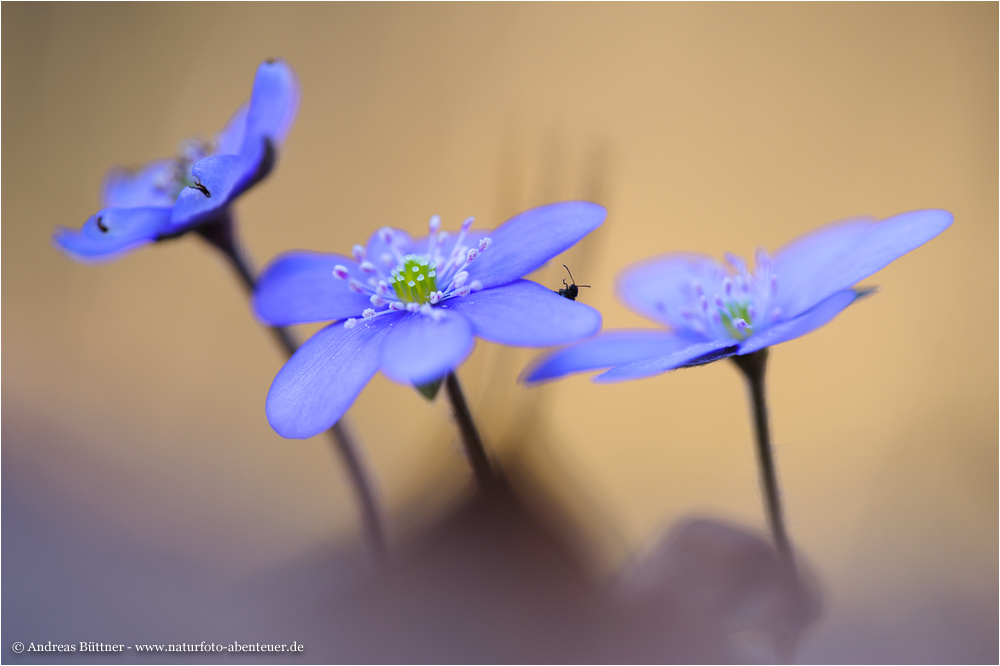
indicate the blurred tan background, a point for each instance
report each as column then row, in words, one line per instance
column 133, row 392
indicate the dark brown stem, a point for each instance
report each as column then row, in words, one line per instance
column 474, row 449
column 753, row 367
column 222, row 236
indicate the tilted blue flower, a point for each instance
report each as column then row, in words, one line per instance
column 413, row 308
column 169, row 197
column 714, row 310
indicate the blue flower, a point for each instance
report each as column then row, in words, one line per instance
column 715, row 310
column 413, row 308
column 167, row 198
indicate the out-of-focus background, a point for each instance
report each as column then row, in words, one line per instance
column 145, row 496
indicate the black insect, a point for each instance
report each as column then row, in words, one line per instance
column 201, row 188
column 571, row 291
column 100, row 225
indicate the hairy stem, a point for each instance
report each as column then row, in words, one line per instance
column 222, row 236
column 474, row 449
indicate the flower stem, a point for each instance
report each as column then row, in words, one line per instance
column 478, row 458
column 222, row 236
column 786, row 639
column 753, row 367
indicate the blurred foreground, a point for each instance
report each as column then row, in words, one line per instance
column 498, row 578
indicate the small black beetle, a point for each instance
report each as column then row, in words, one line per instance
column 571, row 291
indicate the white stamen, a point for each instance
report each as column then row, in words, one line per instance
column 377, row 300
column 413, row 307
column 396, row 306
column 460, row 278
column 485, row 243
column 356, row 286
column 368, row 267
column 340, row 272
column 385, row 234
column 350, row 323
column 475, row 285
column 368, row 313
column 358, row 252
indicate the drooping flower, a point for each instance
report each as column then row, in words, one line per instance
column 714, row 310
column 413, row 308
column 169, row 197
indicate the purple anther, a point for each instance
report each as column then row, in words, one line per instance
column 377, row 300
column 413, row 307
column 396, row 306
column 463, row 291
column 350, row 323
column 368, row 313
column 368, row 267
column 340, row 272
column 475, row 285
column 727, row 287
column 460, row 278
column 356, row 286
column 485, row 243
column 358, row 252
column 741, row 324
column 386, row 235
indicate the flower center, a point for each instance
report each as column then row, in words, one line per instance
column 414, row 280
column 188, row 152
column 733, row 302
column 419, row 282
column 737, row 319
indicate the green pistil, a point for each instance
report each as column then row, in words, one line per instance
column 730, row 313
column 414, row 281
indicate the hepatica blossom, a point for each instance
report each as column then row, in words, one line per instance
column 413, row 308
column 714, row 310
column 169, row 197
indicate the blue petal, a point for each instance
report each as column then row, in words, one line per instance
column 661, row 287
column 274, row 103
column 299, row 287
column 112, row 232
column 323, row 378
column 833, row 258
column 604, row 351
column 691, row 355
column 224, row 177
column 229, row 140
column 526, row 314
column 150, row 186
column 809, row 321
column 528, row 240
column 420, row 349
